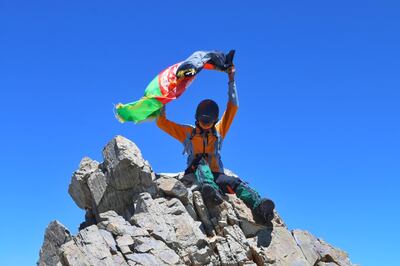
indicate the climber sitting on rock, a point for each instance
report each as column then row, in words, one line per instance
column 202, row 144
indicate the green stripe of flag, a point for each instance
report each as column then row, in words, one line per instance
column 153, row 89
column 139, row 111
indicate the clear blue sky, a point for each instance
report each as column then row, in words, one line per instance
column 318, row 129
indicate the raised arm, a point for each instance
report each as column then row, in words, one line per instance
column 233, row 104
column 175, row 130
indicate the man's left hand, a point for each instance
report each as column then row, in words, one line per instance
column 231, row 73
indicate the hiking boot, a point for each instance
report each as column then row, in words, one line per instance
column 265, row 210
column 211, row 195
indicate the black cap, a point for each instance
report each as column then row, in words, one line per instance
column 207, row 111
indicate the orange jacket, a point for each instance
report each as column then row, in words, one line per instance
column 197, row 141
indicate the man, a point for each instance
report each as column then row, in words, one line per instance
column 202, row 144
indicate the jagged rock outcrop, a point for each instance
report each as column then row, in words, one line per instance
column 136, row 217
column 113, row 184
column 56, row 235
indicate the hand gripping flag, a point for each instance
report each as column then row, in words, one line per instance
column 170, row 84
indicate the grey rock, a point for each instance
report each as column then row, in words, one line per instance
column 150, row 216
column 108, row 216
column 125, row 240
column 257, row 257
column 202, row 256
column 238, row 246
column 119, row 260
column 90, row 219
column 170, row 175
column 114, row 184
column 126, row 168
column 222, row 215
column 108, row 237
column 174, row 188
column 78, row 188
column 134, row 218
column 227, row 258
column 191, row 211
column 237, row 234
column 318, row 251
column 87, row 248
column 72, row 255
column 144, row 259
column 127, row 174
column 326, row 264
column 202, row 213
column 95, row 243
column 284, row 250
column 124, row 243
column 55, row 236
column 158, row 248
column 247, row 222
column 118, row 226
column 168, row 221
column 97, row 184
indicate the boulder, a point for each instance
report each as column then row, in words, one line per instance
column 113, row 184
column 88, row 248
column 118, row 226
column 55, row 236
column 78, row 188
column 245, row 216
column 318, row 252
column 125, row 167
column 172, row 187
column 283, row 249
column 135, row 217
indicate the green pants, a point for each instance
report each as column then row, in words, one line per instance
column 227, row 184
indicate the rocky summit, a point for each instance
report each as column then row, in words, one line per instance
column 137, row 217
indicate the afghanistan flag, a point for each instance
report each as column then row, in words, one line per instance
column 170, row 84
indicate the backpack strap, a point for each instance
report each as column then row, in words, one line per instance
column 193, row 133
column 218, row 144
column 217, row 149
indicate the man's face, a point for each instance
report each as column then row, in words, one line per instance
column 206, row 126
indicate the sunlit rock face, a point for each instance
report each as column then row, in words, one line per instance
column 137, row 217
